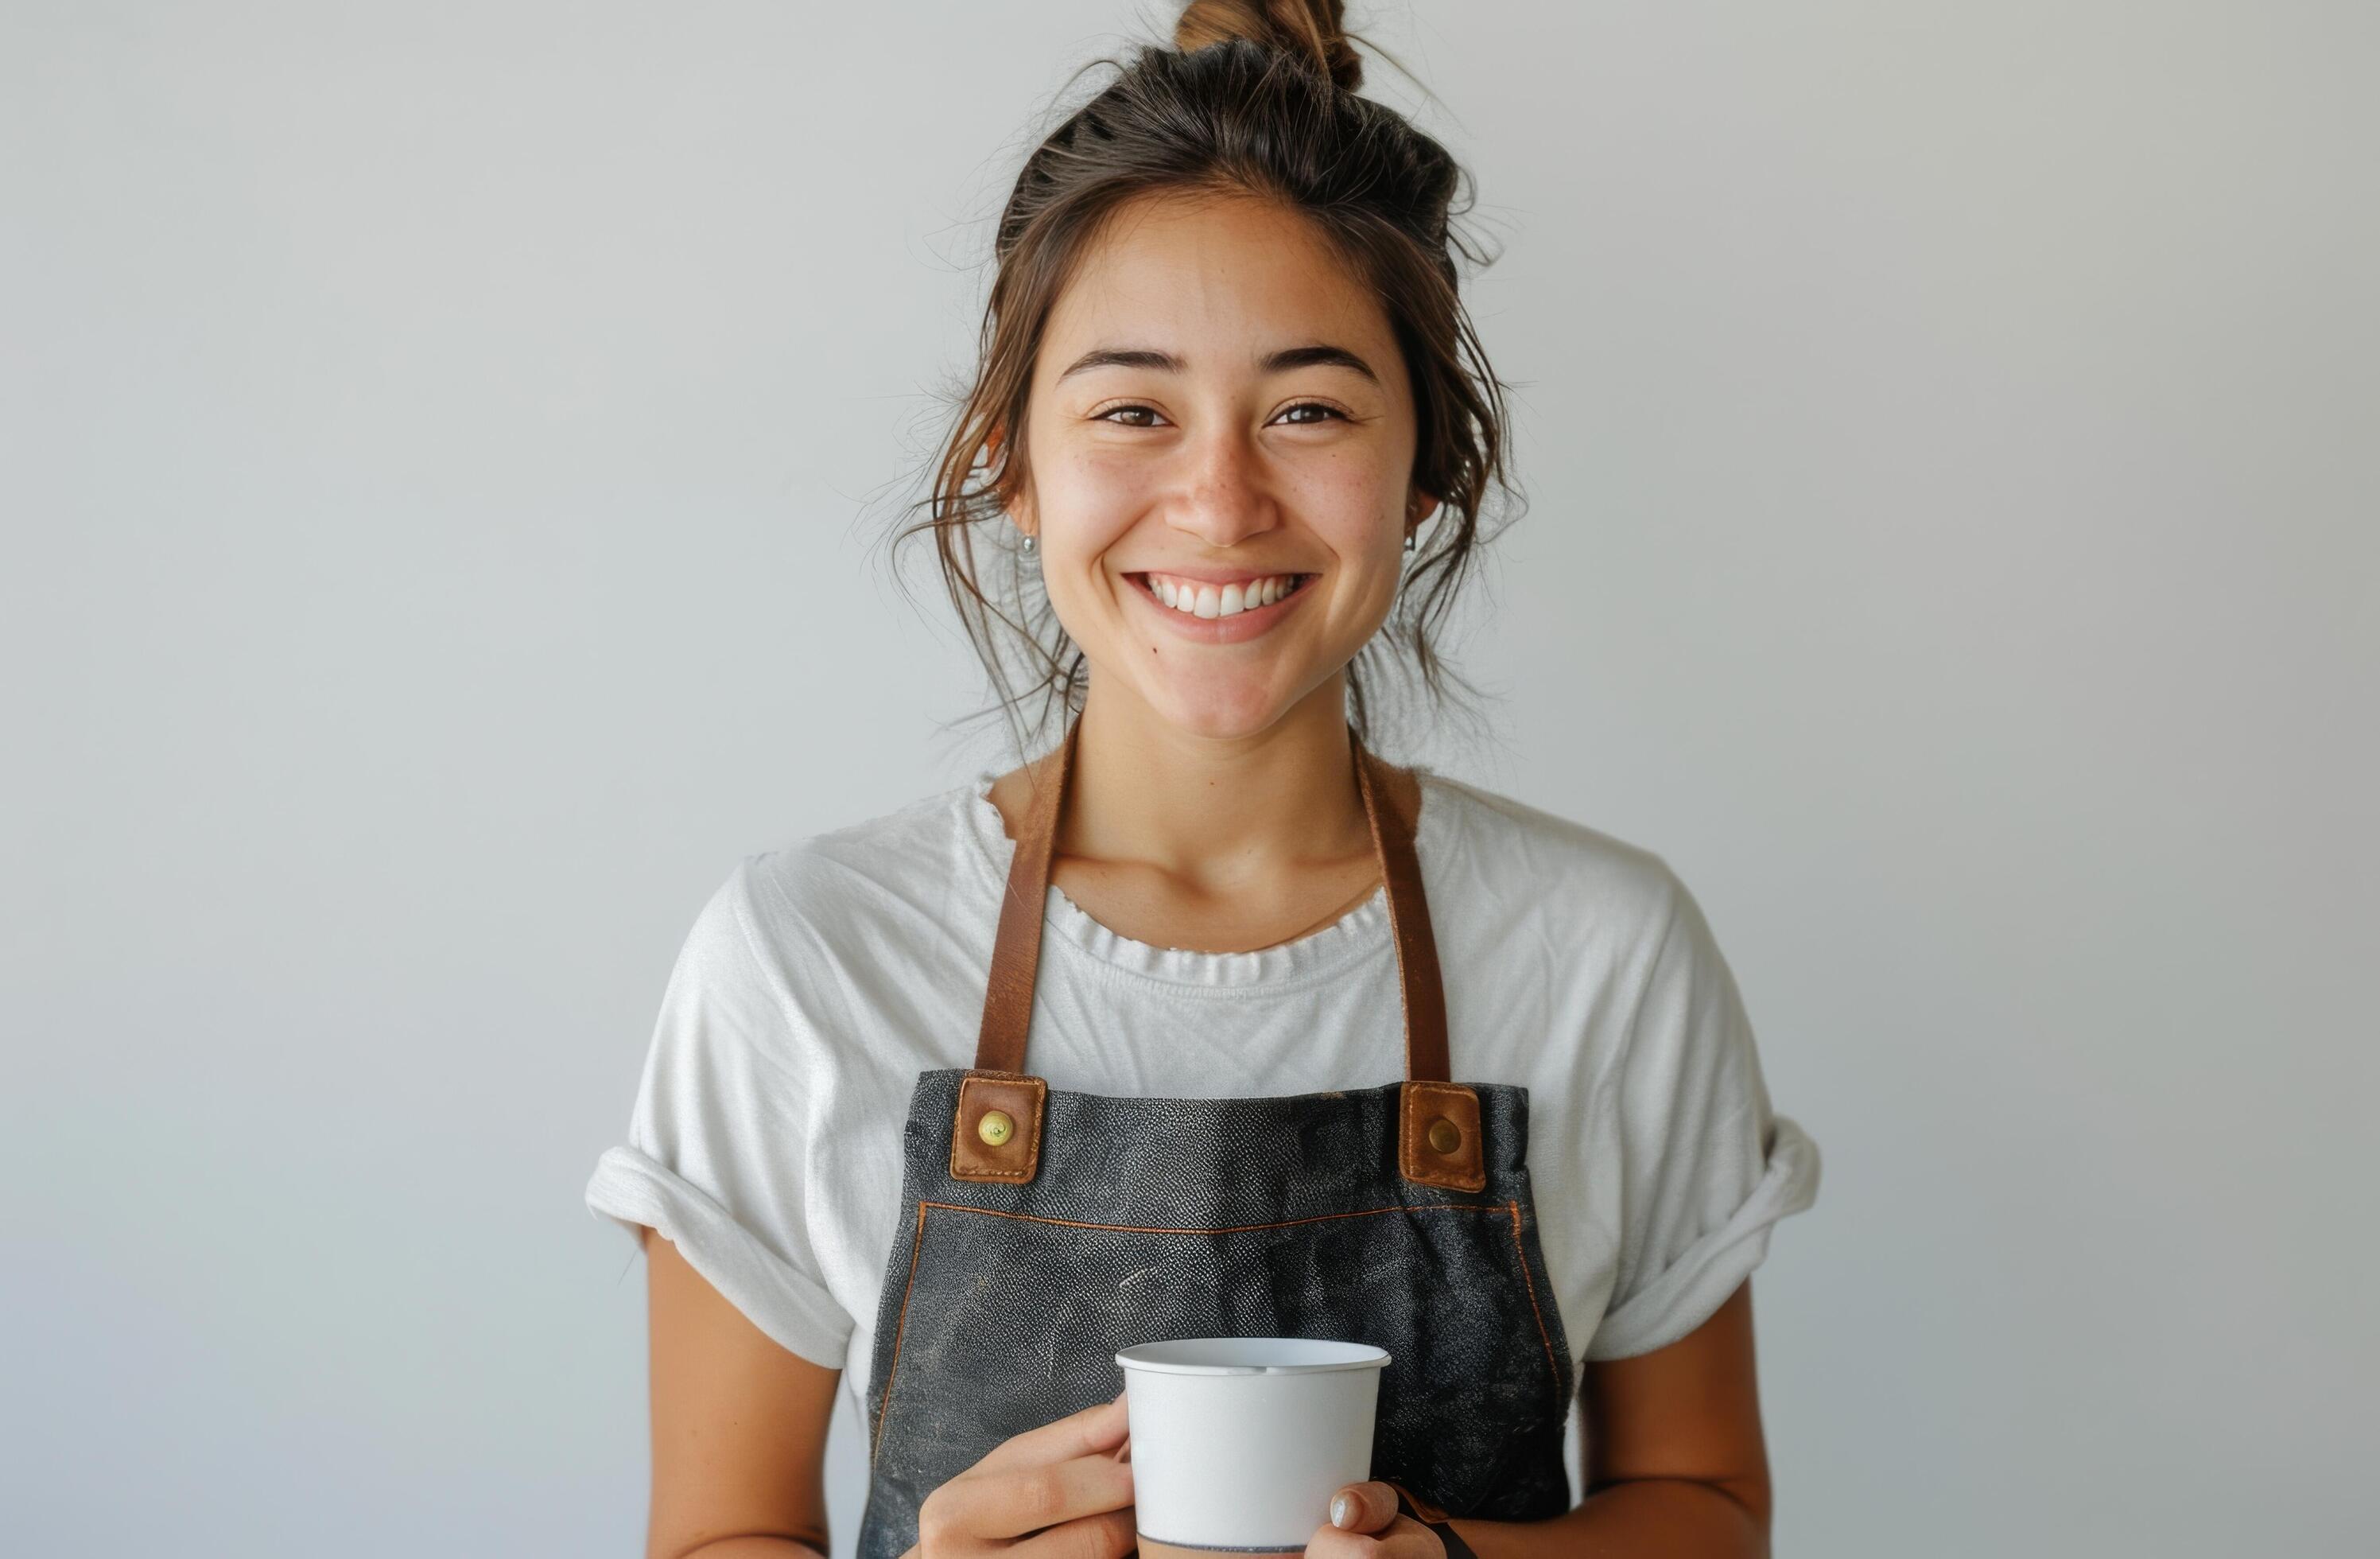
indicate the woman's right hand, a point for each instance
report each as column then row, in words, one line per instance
column 1065, row 1487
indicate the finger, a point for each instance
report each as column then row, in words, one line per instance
column 1331, row 1543
column 1364, row 1507
column 1094, row 1431
column 1105, row 1536
column 1026, row 1499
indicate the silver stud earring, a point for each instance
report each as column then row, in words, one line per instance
column 1029, row 543
column 1413, row 537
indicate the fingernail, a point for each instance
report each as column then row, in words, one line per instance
column 1343, row 1511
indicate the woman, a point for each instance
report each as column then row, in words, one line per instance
column 1323, row 1046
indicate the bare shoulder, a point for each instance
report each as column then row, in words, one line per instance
column 1010, row 796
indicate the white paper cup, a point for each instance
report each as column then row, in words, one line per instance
column 1239, row 1442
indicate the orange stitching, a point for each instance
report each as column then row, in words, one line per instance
column 1231, row 1229
column 1521, row 1250
column 884, row 1408
column 1408, row 1159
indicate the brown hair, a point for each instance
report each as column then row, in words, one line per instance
column 1255, row 97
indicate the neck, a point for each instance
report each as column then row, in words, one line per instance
column 1216, row 811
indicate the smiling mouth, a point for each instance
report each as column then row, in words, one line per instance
column 1199, row 598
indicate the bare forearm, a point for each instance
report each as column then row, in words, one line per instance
column 758, row 1548
column 1648, row 1518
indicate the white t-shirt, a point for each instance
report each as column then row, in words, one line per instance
column 820, row 978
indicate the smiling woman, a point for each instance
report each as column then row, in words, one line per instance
column 1222, row 294
column 1327, row 1047
column 1218, row 419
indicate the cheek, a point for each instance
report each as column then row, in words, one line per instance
column 1095, row 495
column 1355, row 501
column 1367, row 541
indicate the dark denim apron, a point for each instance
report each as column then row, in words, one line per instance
column 1031, row 1248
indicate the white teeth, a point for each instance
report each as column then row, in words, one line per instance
column 1208, row 600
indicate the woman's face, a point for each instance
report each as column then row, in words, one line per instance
column 1219, row 407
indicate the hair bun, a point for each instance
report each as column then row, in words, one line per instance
column 1312, row 30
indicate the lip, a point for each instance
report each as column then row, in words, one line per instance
column 1215, row 630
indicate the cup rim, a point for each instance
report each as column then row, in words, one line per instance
column 1150, row 1356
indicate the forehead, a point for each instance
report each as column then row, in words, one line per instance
column 1230, row 274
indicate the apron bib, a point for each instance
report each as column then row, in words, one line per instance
column 1032, row 1248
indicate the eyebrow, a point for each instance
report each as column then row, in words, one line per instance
column 1317, row 355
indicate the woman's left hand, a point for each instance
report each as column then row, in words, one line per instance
column 1373, row 1529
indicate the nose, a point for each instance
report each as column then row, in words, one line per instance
column 1227, row 494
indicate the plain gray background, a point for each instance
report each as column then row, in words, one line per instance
column 445, row 451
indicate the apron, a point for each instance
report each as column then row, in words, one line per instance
column 1035, row 1244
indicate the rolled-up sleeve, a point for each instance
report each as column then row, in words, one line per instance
column 712, row 1159
column 1708, row 1167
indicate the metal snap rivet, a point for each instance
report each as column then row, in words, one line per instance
column 995, row 1128
column 1444, row 1134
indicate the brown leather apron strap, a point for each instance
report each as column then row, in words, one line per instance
column 1418, row 971
column 996, row 1130
column 1017, row 947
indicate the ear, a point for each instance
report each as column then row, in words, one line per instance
column 1019, row 509
column 1423, row 504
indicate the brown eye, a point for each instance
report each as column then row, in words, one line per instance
column 1108, row 415
column 1315, row 405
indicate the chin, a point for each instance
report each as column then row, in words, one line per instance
column 1222, row 713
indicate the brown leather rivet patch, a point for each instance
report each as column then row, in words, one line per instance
column 996, row 1135
column 1440, row 1138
